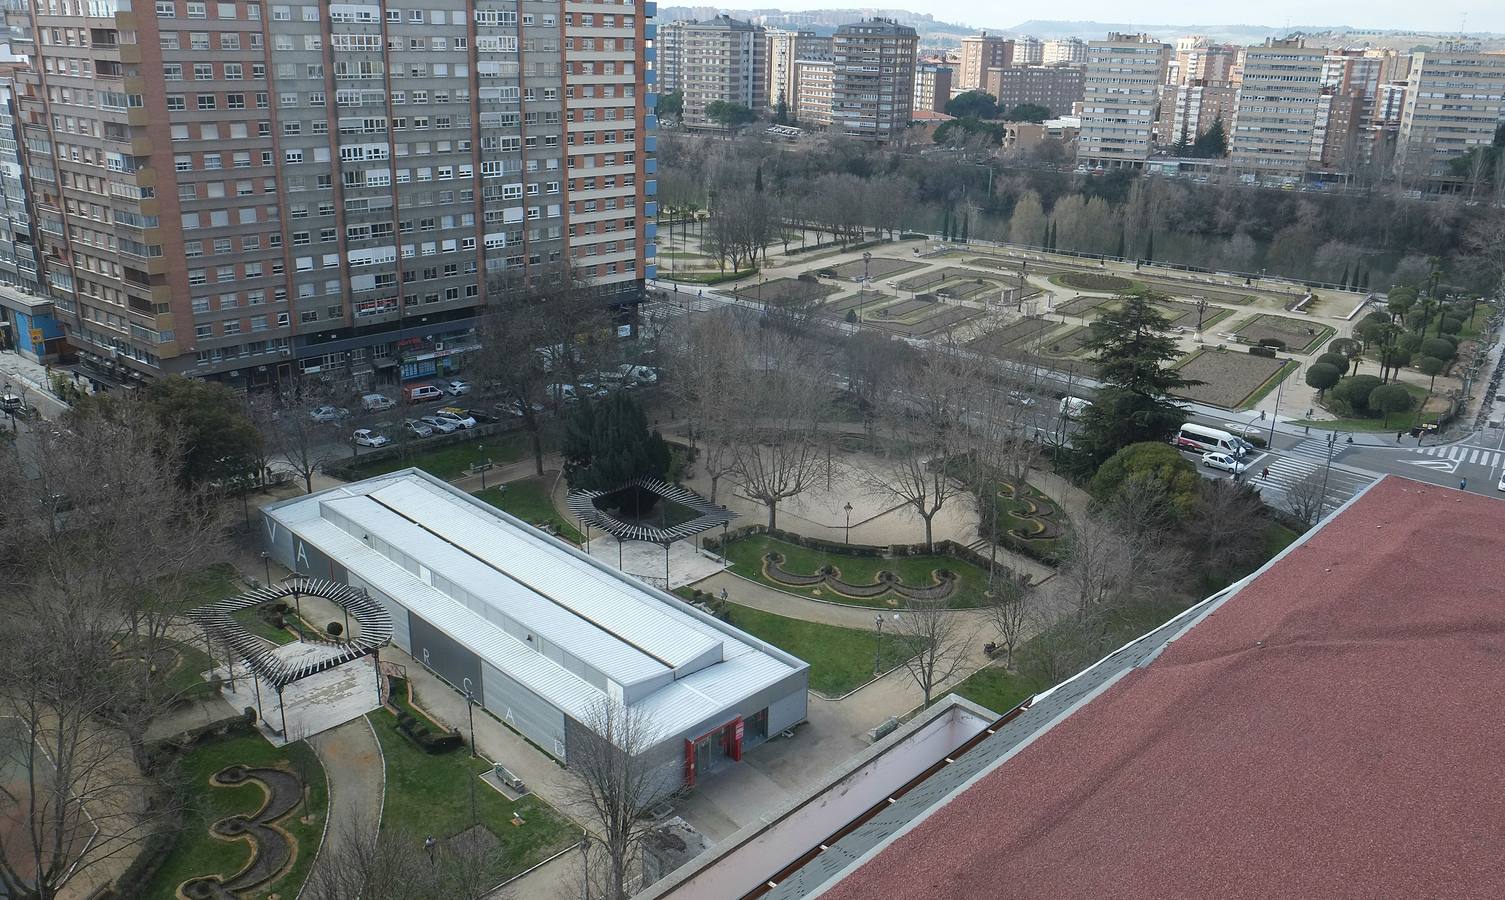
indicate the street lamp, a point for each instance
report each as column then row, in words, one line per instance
column 877, row 644
column 1332, row 440
column 266, row 567
column 848, row 509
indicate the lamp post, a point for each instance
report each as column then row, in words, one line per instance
column 877, row 644
column 848, row 509
column 470, row 705
column 266, row 567
column 1279, row 388
column 1332, row 440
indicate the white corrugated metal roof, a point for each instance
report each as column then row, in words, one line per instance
column 561, row 593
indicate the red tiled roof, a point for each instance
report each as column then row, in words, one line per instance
column 1333, row 730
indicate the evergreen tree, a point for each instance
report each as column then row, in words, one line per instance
column 966, row 226
column 1364, row 284
column 1122, row 240
column 1212, row 143
column 1149, row 247
column 758, row 180
column 1052, row 245
column 1343, row 282
column 1045, row 236
column 946, row 224
column 607, row 444
column 1134, row 350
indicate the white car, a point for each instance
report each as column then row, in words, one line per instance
column 1502, row 482
column 1223, row 461
column 1019, row 398
column 365, row 437
column 328, row 414
column 456, row 417
column 419, row 429
column 439, row 424
column 456, row 388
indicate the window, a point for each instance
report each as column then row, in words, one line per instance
column 235, row 101
column 166, row 9
column 172, row 71
column 198, row 11
column 233, row 72
column 207, row 101
column 198, row 40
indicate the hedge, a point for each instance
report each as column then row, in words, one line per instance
column 941, row 548
column 1258, row 350
column 428, row 741
column 346, row 468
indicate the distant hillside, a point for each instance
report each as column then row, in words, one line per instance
column 1233, row 34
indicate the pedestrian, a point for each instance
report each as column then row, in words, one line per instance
column 1264, row 473
column 723, row 595
column 700, row 293
column 1463, row 484
column 1399, row 435
column 429, row 844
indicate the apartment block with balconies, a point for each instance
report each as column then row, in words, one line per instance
column 872, row 79
column 1119, row 98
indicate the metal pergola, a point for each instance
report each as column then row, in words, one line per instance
column 582, row 505
column 217, row 621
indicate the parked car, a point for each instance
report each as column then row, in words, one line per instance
column 421, row 393
column 440, row 425
column 483, row 418
column 456, row 417
column 418, row 428
column 630, row 374
column 376, row 402
column 326, row 414
column 1224, row 462
column 1019, row 398
column 365, row 437
column 514, row 408
column 12, row 405
column 564, row 393
column 456, row 388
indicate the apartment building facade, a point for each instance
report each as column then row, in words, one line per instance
column 257, row 191
column 1120, row 96
column 815, row 79
column 1188, row 110
column 720, row 59
column 1057, row 88
column 784, row 50
column 1276, row 121
column 872, row 79
column 27, row 324
column 1454, row 102
column 1068, row 52
column 932, row 87
column 980, row 53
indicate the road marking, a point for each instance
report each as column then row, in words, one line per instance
column 1439, row 465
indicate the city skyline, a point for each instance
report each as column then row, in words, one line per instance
column 1446, row 17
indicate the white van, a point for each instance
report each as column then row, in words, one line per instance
column 376, row 402
column 1072, row 407
column 1210, row 440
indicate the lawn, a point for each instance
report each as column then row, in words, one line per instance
column 197, row 853
column 841, row 659
column 1094, row 281
column 454, row 460
column 253, row 621
column 528, row 499
column 1296, row 335
column 997, row 688
column 429, row 794
column 746, row 555
column 1400, row 422
column 779, row 291
column 1230, row 378
column 877, row 267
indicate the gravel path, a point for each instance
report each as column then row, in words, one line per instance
column 357, row 783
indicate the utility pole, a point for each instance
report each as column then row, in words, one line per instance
column 1332, row 440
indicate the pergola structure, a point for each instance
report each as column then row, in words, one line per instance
column 217, row 620
column 582, row 505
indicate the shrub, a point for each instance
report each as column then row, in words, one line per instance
column 1353, row 392
column 851, row 316
column 1336, row 360
column 1390, row 399
column 1275, row 342
column 1450, row 325
column 1323, row 375
column 335, row 629
column 1262, row 351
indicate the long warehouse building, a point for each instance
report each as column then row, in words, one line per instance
column 543, row 633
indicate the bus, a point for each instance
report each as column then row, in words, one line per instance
column 1207, row 440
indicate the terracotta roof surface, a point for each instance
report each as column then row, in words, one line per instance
column 1333, row 730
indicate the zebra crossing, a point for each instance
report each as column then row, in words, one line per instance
column 1316, row 450
column 1462, row 454
column 1294, row 467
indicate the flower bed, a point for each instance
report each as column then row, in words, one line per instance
column 1231, row 377
column 887, row 582
column 1294, row 335
column 1093, row 281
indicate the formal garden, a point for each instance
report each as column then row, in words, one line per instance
column 1023, row 334
column 1282, row 333
column 953, row 282
column 877, row 267
column 1230, row 379
column 253, row 819
column 782, row 291
column 1099, row 282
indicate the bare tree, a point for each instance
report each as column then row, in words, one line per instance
column 306, row 443
column 73, row 798
column 1008, row 610
column 710, row 371
column 926, row 456
column 779, row 451
column 938, row 639
column 612, row 781
column 1228, row 525
column 1305, row 498
column 360, row 862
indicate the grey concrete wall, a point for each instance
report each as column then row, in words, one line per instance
column 535, row 717
column 444, row 656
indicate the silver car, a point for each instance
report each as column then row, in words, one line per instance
column 439, row 424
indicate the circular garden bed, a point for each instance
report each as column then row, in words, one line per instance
column 1092, row 281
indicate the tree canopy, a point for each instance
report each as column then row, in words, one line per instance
column 220, row 441
column 973, row 105
column 961, row 130
column 1154, row 464
column 609, row 443
column 1028, row 112
column 1134, row 350
column 1212, row 143
column 671, row 105
column 729, row 115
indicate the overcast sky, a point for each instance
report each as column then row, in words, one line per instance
column 1436, row 15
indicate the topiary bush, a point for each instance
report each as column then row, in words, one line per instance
column 1258, row 350
column 335, row 629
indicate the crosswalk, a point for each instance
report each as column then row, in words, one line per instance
column 1316, row 450
column 1462, row 454
column 1295, row 467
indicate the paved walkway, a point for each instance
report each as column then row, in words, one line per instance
column 357, row 775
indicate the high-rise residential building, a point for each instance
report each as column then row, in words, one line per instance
column 250, row 190
column 1390, row 103
column 1206, row 62
column 1122, row 88
column 1278, row 105
column 1057, row 88
column 785, row 48
column 27, row 324
column 1335, row 139
column 980, row 53
column 1028, row 52
column 814, row 78
column 932, row 87
column 1068, row 52
column 872, row 78
column 1454, row 103
column 721, row 59
column 1188, row 110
